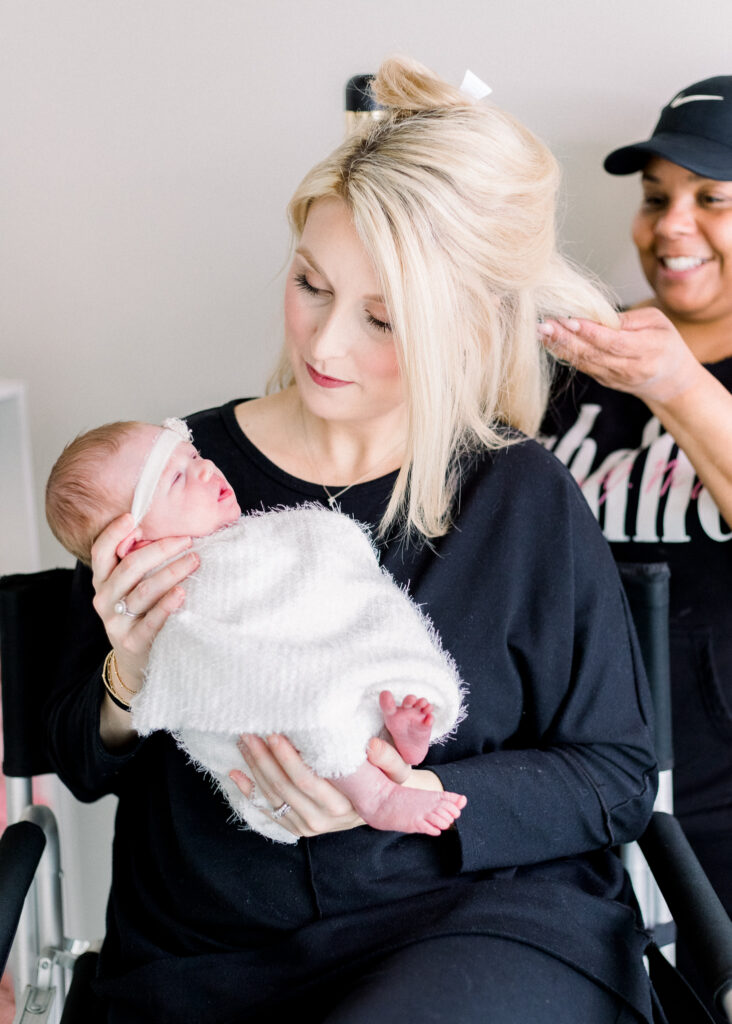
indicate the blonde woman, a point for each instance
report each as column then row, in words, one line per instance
column 411, row 373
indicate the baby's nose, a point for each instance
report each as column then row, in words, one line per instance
column 206, row 470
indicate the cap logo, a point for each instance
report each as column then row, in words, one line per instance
column 679, row 100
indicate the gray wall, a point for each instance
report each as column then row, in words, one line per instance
column 149, row 148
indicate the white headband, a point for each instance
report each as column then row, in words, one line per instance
column 173, row 433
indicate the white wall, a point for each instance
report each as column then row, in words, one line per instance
column 148, row 149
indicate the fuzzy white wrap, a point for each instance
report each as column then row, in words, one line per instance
column 291, row 626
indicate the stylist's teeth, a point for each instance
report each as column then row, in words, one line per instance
column 681, row 262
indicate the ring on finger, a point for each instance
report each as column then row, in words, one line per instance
column 281, row 811
column 122, row 609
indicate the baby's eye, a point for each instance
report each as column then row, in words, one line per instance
column 177, row 477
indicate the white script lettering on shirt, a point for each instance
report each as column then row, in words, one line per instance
column 608, row 484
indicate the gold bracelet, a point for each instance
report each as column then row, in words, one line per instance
column 117, row 676
column 116, row 699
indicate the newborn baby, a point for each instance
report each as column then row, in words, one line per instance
column 289, row 626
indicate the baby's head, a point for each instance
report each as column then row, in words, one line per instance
column 153, row 472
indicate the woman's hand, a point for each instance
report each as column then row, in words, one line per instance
column 150, row 594
column 646, row 356
column 282, row 777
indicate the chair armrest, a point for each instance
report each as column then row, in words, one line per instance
column 21, row 848
column 695, row 906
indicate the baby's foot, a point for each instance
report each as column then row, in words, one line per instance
column 416, row 810
column 408, row 724
column 392, row 808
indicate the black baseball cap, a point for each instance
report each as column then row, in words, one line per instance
column 694, row 131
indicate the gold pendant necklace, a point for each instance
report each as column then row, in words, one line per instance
column 333, row 498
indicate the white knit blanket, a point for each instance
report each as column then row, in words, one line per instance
column 290, row 626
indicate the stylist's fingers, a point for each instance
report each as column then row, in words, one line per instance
column 646, row 356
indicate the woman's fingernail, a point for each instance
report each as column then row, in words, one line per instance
column 274, row 740
column 571, row 324
column 545, row 330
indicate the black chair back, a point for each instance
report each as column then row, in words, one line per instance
column 33, row 615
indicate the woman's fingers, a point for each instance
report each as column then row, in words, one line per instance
column 384, row 756
column 104, row 549
column 281, row 775
column 141, row 572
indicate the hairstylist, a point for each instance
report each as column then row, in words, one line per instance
column 647, row 431
column 424, row 253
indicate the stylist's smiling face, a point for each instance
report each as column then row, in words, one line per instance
column 337, row 327
column 683, row 233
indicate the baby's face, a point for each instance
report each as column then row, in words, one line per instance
column 192, row 498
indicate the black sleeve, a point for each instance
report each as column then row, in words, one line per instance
column 75, row 747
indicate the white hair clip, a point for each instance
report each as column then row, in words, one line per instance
column 473, row 87
column 174, row 432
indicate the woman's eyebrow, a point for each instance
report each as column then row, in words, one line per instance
column 302, row 251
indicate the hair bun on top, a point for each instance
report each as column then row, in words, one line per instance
column 405, row 86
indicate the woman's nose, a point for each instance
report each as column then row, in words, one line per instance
column 677, row 219
column 328, row 336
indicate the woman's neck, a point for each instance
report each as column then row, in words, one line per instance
column 323, row 451
column 345, row 452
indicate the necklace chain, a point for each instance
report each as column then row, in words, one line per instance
column 333, row 498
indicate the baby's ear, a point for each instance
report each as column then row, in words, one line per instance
column 130, row 543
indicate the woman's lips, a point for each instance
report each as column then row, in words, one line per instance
column 680, row 267
column 326, row 382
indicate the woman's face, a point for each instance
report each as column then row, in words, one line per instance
column 337, row 327
column 683, row 233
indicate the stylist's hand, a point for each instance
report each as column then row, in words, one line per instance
column 282, row 777
column 646, row 356
column 151, row 595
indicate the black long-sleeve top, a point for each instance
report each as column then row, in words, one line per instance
column 555, row 758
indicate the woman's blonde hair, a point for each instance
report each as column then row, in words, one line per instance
column 455, row 203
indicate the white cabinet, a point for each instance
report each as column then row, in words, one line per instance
column 19, row 551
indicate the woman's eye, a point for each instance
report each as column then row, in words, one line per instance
column 302, row 282
column 653, row 202
column 710, row 200
column 380, row 325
